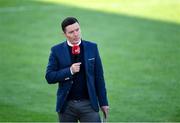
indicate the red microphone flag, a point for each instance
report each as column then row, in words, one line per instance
column 75, row 50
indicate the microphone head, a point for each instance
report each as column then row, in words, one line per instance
column 75, row 50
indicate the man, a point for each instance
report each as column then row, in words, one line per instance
column 81, row 86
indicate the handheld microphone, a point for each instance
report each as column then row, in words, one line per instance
column 76, row 52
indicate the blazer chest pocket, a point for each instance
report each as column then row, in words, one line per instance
column 91, row 64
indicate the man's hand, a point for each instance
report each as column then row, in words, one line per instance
column 105, row 110
column 75, row 67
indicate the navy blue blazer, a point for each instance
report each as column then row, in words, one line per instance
column 58, row 71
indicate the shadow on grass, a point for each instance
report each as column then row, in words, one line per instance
column 140, row 47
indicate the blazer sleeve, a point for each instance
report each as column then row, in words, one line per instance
column 99, row 81
column 53, row 73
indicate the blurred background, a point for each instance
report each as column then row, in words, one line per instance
column 139, row 42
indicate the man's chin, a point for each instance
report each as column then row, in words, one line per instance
column 76, row 42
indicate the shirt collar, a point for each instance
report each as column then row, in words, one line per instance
column 71, row 45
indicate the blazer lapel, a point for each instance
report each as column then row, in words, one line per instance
column 66, row 54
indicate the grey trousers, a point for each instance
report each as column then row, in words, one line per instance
column 79, row 111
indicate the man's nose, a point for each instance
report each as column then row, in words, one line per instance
column 76, row 33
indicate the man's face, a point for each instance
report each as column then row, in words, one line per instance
column 73, row 33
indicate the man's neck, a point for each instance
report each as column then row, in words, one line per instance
column 70, row 44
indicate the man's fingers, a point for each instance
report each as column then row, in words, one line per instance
column 105, row 114
column 76, row 67
column 77, row 64
column 105, row 111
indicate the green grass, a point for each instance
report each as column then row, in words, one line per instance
column 163, row 10
column 140, row 52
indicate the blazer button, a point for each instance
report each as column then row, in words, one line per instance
column 71, row 82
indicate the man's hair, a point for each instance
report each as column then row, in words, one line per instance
column 68, row 21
